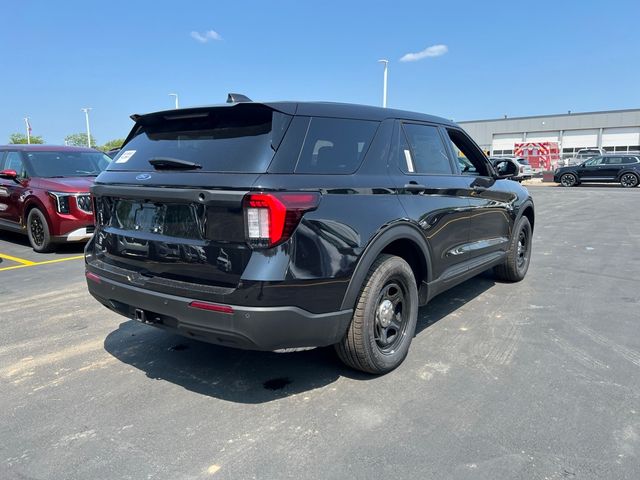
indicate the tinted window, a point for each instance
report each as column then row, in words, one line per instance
column 469, row 156
column 67, row 164
column 429, row 155
column 335, row 145
column 240, row 138
column 593, row 161
column 612, row 161
column 13, row 161
column 629, row 160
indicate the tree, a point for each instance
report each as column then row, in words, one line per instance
column 79, row 140
column 21, row 138
column 111, row 144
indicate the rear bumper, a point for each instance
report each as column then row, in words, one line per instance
column 254, row 328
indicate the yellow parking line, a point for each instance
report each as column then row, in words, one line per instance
column 16, row 259
column 35, row 264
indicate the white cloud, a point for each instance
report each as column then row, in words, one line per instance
column 432, row 51
column 206, row 36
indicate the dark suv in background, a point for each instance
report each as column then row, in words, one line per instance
column 284, row 225
column 623, row 169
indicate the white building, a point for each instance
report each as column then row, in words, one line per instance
column 615, row 131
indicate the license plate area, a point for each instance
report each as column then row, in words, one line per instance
column 167, row 219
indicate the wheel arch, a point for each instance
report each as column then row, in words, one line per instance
column 527, row 211
column 405, row 241
column 31, row 203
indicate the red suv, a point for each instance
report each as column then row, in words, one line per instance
column 44, row 192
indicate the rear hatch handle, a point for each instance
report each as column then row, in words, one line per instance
column 168, row 163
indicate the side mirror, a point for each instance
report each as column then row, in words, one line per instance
column 9, row 175
column 506, row 169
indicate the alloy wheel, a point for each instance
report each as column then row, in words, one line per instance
column 629, row 180
column 568, row 180
column 37, row 230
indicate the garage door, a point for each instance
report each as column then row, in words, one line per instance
column 542, row 136
column 621, row 137
column 580, row 138
column 505, row 141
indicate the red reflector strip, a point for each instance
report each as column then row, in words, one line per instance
column 93, row 276
column 213, row 307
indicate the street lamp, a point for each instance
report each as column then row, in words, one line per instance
column 176, row 98
column 86, row 116
column 384, row 85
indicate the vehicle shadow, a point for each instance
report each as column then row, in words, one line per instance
column 22, row 240
column 254, row 377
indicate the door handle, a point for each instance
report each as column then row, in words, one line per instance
column 414, row 187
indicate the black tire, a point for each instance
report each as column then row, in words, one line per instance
column 38, row 232
column 516, row 265
column 629, row 180
column 568, row 180
column 369, row 345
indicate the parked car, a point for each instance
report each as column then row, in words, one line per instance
column 525, row 172
column 44, row 192
column 286, row 225
column 624, row 169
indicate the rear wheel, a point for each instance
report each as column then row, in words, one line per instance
column 384, row 320
column 38, row 232
column 516, row 265
column 568, row 180
column 629, row 180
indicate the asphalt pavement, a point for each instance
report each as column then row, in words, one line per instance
column 535, row 380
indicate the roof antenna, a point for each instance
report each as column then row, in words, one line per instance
column 237, row 98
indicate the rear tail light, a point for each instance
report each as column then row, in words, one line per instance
column 271, row 218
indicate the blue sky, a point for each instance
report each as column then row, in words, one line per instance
column 124, row 57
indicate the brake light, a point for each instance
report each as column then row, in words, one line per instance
column 271, row 218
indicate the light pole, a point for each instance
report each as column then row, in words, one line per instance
column 384, row 84
column 26, row 121
column 86, row 116
column 176, row 98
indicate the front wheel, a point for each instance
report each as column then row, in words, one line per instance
column 38, row 232
column 516, row 265
column 568, row 180
column 629, row 180
column 384, row 320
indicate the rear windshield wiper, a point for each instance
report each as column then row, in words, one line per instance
column 167, row 163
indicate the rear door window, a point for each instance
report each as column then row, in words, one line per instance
column 335, row 145
column 428, row 155
column 236, row 139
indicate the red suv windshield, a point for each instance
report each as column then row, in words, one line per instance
column 67, row 164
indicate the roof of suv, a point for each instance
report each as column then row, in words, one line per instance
column 319, row 109
column 46, row 148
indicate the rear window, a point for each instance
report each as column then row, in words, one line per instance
column 67, row 164
column 238, row 139
column 335, row 145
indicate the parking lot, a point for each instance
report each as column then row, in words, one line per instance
column 534, row 380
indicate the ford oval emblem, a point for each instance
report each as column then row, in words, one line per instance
column 143, row 176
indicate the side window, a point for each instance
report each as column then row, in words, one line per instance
column 594, row 161
column 627, row 160
column 13, row 161
column 428, row 154
column 470, row 158
column 335, row 145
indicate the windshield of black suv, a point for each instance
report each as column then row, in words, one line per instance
column 67, row 164
column 235, row 139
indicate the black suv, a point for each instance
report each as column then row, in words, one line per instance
column 284, row 225
column 624, row 169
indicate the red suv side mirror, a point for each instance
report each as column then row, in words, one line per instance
column 9, row 174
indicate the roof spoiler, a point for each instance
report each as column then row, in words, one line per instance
column 237, row 98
